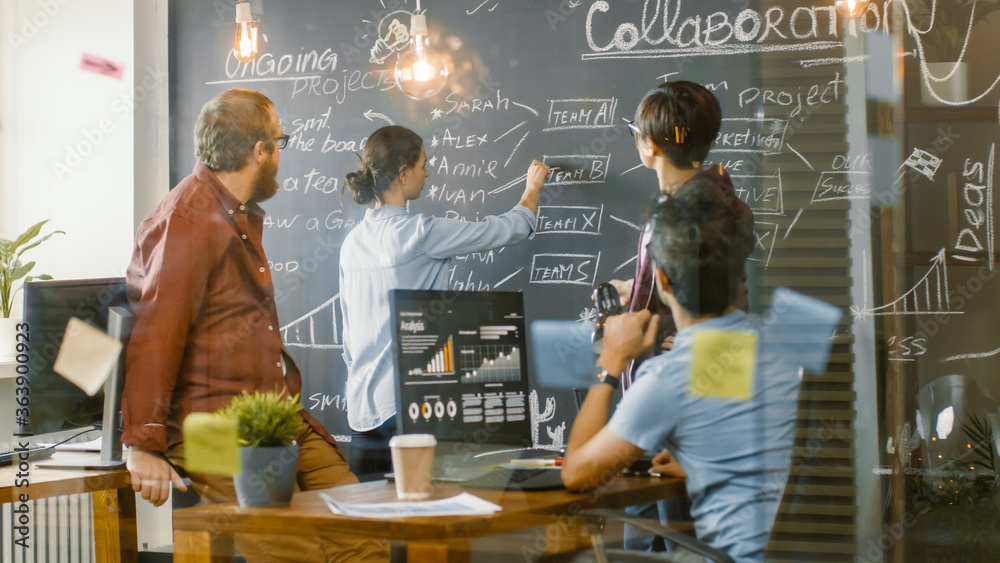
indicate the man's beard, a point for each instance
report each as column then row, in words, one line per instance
column 264, row 183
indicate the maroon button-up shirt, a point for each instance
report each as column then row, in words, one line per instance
column 206, row 325
column 644, row 294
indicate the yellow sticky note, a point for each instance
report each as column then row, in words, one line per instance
column 723, row 363
column 210, row 444
column 86, row 356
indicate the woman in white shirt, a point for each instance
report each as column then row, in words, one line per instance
column 393, row 249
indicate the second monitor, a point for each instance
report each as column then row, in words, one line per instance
column 461, row 366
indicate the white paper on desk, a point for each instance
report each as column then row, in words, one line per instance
column 463, row 504
column 86, row 356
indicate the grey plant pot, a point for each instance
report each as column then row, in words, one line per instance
column 268, row 477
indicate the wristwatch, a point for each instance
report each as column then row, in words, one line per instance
column 605, row 377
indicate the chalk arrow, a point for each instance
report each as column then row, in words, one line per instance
column 372, row 116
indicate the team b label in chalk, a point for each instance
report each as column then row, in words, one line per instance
column 578, row 168
column 569, row 220
column 573, row 269
column 581, row 113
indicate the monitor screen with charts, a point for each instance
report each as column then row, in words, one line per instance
column 461, row 366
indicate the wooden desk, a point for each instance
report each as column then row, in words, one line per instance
column 115, row 537
column 205, row 533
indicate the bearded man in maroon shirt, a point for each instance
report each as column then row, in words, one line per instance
column 206, row 325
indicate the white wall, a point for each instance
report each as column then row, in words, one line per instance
column 57, row 162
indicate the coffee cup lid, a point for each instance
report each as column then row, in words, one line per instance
column 412, row 441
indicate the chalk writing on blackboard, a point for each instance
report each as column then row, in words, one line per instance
column 581, row 113
column 315, row 329
column 905, row 349
column 836, row 185
column 792, row 224
column 922, row 162
column 929, row 296
column 569, row 219
column 753, row 135
column 806, row 28
column 979, row 356
column 977, row 212
column 573, row 269
column 762, row 194
column 765, row 235
column 539, row 418
column 578, row 168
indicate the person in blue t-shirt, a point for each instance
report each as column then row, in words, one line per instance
column 724, row 400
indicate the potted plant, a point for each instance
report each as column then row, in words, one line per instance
column 12, row 270
column 267, row 424
column 944, row 41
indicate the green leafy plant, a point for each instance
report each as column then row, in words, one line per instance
column 950, row 22
column 265, row 420
column 11, row 268
column 958, row 509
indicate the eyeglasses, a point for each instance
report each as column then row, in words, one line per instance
column 282, row 141
column 681, row 133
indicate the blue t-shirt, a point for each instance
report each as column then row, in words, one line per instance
column 736, row 453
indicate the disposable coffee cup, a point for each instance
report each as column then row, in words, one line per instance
column 412, row 461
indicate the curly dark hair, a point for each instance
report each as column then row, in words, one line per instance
column 702, row 243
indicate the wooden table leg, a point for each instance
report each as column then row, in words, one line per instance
column 417, row 552
column 566, row 534
column 115, row 539
column 202, row 547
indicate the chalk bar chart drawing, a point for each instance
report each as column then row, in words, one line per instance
column 929, row 296
column 316, row 329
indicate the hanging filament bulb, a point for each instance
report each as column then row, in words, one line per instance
column 851, row 9
column 245, row 48
column 421, row 70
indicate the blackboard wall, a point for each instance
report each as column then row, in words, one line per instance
column 548, row 80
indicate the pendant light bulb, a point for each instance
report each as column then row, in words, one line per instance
column 852, row 9
column 420, row 69
column 245, row 47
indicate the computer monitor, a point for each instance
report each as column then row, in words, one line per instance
column 57, row 404
column 461, row 366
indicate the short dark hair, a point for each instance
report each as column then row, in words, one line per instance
column 680, row 104
column 702, row 243
column 386, row 151
column 229, row 126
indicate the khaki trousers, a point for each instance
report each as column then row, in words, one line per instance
column 320, row 467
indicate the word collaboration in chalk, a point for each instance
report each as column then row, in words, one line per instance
column 623, row 30
column 569, row 219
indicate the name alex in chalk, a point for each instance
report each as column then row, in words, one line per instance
column 21, row 511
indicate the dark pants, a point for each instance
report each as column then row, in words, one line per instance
column 666, row 512
column 370, row 458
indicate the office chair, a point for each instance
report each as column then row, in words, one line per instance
column 687, row 549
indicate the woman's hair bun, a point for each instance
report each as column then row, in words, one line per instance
column 362, row 185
